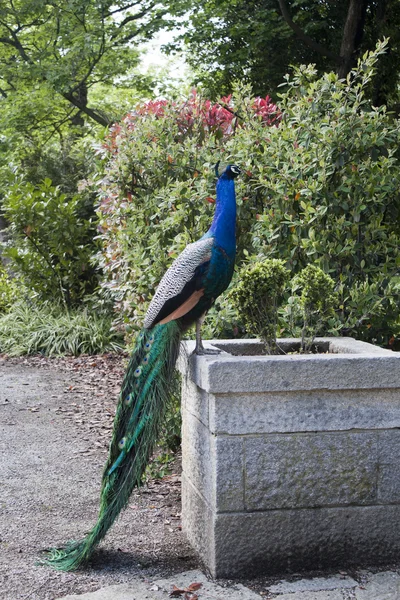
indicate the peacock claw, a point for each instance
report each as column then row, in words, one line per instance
column 206, row 351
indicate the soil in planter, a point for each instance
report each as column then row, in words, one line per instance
column 285, row 347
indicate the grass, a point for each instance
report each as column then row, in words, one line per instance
column 52, row 331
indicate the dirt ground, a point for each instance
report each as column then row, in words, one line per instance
column 56, row 417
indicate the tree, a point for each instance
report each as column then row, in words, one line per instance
column 257, row 42
column 67, row 46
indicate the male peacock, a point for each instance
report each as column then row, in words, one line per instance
column 186, row 292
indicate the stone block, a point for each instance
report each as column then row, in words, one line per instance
column 215, row 466
column 279, row 540
column 357, row 366
column 310, row 470
column 229, row 473
column 198, row 458
column 316, row 410
column 195, row 400
column 302, row 372
column 389, row 466
column 292, row 462
column 198, row 522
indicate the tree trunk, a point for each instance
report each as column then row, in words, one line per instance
column 352, row 36
column 380, row 94
column 82, row 97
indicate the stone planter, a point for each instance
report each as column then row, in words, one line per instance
column 291, row 462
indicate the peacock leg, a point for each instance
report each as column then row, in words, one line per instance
column 199, row 349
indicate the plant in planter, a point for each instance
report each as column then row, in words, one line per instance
column 316, row 300
column 260, row 293
column 289, row 462
column 257, row 298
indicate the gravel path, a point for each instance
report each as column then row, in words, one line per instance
column 55, row 420
column 56, row 417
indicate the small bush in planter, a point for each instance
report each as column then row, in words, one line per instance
column 257, row 298
column 316, row 300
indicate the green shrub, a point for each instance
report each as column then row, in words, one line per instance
column 158, row 189
column 258, row 296
column 8, row 290
column 332, row 186
column 51, row 243
column 320, row 186
column 314, row 291
column 52, row 331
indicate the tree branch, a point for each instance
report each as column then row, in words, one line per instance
column 101, row 119
column 303, row 36
column 131, row 18
column 122, row 8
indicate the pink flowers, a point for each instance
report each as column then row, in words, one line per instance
column 267, row 110
column 198, row 116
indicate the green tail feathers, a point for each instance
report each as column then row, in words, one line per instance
column 143, row 398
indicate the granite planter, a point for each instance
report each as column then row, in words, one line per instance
column 291, row 462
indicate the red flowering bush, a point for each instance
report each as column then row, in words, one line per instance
column 159, row 185
column 319, row 185
column 216, row 118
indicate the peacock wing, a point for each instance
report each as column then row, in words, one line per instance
column 181, row 287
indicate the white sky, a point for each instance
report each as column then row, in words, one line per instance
column 154, row 58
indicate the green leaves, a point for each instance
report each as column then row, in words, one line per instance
column 50, row 330
column 257, row 297
column 313, row 291
column 67, row 47
column 310, row 192
column 51, row 242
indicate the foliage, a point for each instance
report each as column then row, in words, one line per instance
column 158, row 188
column 8, row 290
column 332, row 187
column 51, row 241
column 316, row 299
column 319, row 186
column 228, row 40
column 50, row 330
column 65, row 69
column 258, row 296
column 65, row 48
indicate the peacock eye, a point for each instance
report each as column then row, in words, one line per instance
column 122, row 443
column 137, row 372
column 128, row 400
column 146, row 359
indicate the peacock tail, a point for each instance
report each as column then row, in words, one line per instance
column 184, row 295
column 144, row 396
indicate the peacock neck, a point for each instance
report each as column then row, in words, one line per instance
column 223, row 227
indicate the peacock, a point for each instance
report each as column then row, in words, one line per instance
column 186, row 292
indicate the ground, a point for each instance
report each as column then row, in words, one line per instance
column 56, row 417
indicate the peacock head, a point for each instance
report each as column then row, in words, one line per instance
column 231, row 171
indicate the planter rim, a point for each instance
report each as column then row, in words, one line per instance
column 350, row 364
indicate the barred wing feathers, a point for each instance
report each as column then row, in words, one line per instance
column 181, row 287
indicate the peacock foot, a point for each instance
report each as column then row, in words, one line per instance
column 201, row 351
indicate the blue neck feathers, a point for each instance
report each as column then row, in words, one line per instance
column 223, row 227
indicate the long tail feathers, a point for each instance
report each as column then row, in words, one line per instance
column 144, row 395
